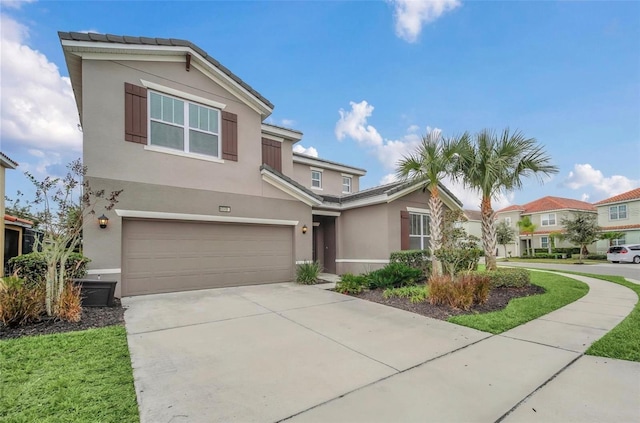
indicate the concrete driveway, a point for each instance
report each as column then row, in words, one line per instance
column 275, row 352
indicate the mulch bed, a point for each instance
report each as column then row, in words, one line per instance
column 498, row 299
column 92, row 317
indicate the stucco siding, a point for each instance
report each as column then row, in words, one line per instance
column 108, row 155
column 104, row 246
column 331, row 179
column 633, row 215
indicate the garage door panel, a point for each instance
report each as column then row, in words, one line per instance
column 175, row 256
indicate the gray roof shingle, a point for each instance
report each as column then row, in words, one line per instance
column 126, row 39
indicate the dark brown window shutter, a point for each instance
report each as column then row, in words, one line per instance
column 404, row 230
column 229, row 136
column 135, row 113
column 272, row 154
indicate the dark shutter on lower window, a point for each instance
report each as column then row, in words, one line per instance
column 272, row 154
column 229, row 136
column 135, row 113
column 404, row 230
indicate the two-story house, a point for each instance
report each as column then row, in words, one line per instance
column 213, row 196
column 546, row 215
column 620, row 213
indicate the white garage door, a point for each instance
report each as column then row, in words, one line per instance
column 165, row 256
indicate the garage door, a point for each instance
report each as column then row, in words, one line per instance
column 163, row 256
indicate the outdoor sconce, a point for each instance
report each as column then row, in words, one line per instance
column 304, row 229
column 102, row 221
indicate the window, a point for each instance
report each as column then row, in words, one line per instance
column 507, row 220
column 619, row 241
column 618, row 212
column 548, row 219
column 316, row 179
column 544, row 242
column 346, row 184
column 182, row 125
column 418, row 231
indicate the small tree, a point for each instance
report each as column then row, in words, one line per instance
column 611, row 236
column 582, row 230
column 505, row 234
column 65, row 203
column 18, row 208
column 527, row 227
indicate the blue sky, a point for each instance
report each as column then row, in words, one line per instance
column 364, row 80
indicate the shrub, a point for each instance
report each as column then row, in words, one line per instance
column 33, row 266
column 415, row 294
column 597, row 257
column 20, row 303
column 455, row 260
column 394, row 275
column 69, row 305
column 351, row 284
column 307, row 272
column 462, row 292
column 506, row 278
column 417, row 259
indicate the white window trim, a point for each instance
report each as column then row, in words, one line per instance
column 421, row 236
column 542, row 243
column 350, row 178
column 319, row 180
column 548, row 216
column 507, row 221
column 418, row 210
column 174, row 152
column 186, row 128
column 144, row 214
column 617, row 206
column 181, row 94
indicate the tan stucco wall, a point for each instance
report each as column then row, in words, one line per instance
column 104, row 246
column 632, row 236
column 331, row 179
column 370, row 234
column 107, row 154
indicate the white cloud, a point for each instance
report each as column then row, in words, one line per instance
column 89, row 31
column 311, row 151
column 288, row 122
column 37, row 107
column 15, row 4
column 584, row 197
column 36, row 153
column 411, row 15
column 353, row 124
column 413, row 129
column 388, row 178
column 584, row 175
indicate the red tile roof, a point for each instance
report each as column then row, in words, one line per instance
column 634, row 194
column 615, row 228
column 550, row 203
column 9, row 218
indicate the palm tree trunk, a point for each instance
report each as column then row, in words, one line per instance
column 488, row 233
column 435, row 226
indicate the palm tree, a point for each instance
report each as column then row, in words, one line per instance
column 527, row 227
column 496, row 163
column 432, row 161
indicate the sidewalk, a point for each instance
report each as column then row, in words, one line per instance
column 535, row 372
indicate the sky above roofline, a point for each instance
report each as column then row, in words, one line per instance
column 365, row 80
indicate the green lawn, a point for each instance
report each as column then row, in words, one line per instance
column 82, row 376
column 573, row 260
column 561, row 291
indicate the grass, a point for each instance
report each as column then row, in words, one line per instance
column 573, row 260
column 561, row 291
column 82, row 376
column 623, row 341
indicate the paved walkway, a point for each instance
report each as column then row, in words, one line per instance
column 290, row 352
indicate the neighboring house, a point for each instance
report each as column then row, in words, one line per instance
column 5, row 163
column 19, row 237
column 546, row 214
column 473, row 224
column 213, row 196
column 620, row 213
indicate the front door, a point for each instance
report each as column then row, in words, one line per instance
column 324, row 242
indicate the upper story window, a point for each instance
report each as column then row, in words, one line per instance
column 618, row 212
column 507, row 220
column 548, row 219
column 346, row 184
column 183, row 125
column 418, row 231
column 316, row 179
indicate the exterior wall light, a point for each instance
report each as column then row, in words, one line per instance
column 102, row 221
column 304, row 229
